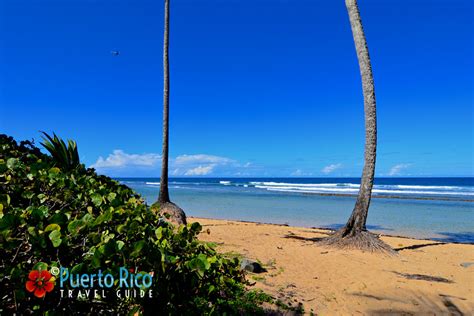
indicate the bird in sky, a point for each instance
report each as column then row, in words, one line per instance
column 115, row 53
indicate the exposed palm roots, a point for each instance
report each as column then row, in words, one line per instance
column 360, row 240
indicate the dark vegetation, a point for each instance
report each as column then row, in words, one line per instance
column 56, row 212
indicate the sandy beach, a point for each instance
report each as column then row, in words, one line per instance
column 425, row 276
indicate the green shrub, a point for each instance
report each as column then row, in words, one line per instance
column 52, row 215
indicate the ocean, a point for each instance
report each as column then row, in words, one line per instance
column 433, row 208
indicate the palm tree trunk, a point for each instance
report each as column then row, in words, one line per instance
column 164, row 194
column 358, row 219
column 166, row 209
column 354, row 234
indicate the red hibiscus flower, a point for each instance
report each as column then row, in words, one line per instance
column 39, row 282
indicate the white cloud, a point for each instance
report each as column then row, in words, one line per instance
column 175, row 172
column 200, row 159
column 120, row 159
column 331, row 168
column 120, row 163
column 200, row 171
column 395, row 170
column 297, row 172
column 201, row 164
column 300, row 173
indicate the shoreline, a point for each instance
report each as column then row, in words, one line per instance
column 424, row 277
column 329, row 230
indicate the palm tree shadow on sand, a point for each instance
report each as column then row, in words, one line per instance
column 421, row 303
column 371, row 227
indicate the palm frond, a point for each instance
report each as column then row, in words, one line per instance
column 65, row 155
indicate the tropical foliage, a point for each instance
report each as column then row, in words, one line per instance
column 66, row 156
column 54, row 214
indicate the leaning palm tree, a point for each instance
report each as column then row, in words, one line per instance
column 354, row 234
column 165, row 207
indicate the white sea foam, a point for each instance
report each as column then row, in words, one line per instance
column 341, row 188
column 423, row 192
column 187, row 183
column 352, row 185
column 280, row 184
column 353, row 191
column 306, row 189
column 351, row 188
column 432, row 187
column 152, row 183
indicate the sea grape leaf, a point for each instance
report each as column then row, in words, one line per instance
column 137, row 248
column 75, row 226
column 52, row 227
column 111, row 196
column 55, row 237
column 120, row 244
column 159, row 232
column 40, row 266
column 12, row 163
column 96, row 199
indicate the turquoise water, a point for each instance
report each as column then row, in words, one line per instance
column 424, row 208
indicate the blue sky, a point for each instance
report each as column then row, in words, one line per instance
column 260, row 88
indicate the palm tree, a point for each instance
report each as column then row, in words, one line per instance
column 164, row 205
column 354, row 234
